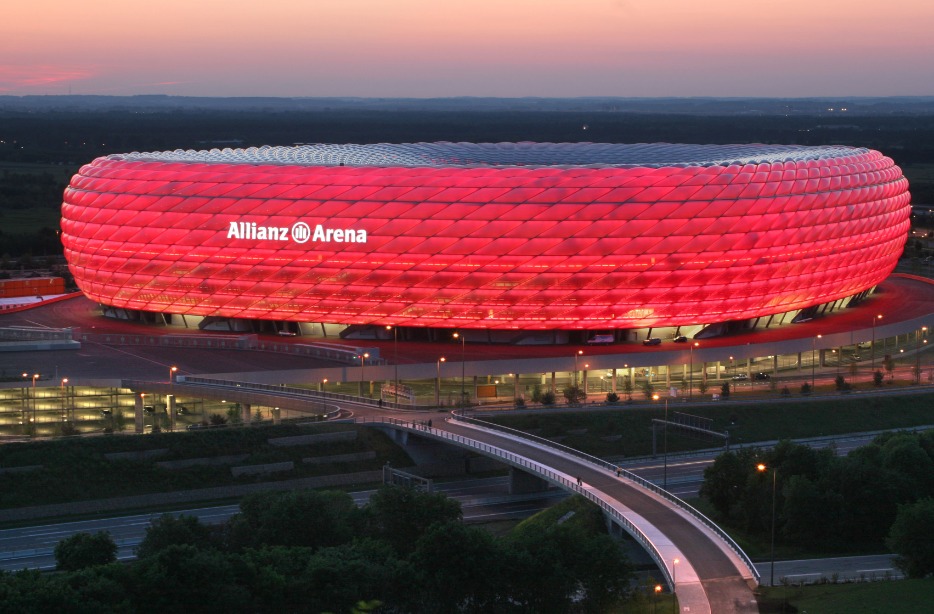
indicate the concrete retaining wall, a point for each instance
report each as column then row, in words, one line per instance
column 304, row 440
column 340, row 458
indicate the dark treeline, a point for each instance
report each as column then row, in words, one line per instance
column 829, row 503
column 310, row 551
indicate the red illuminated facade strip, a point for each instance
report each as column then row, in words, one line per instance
column 486, row 247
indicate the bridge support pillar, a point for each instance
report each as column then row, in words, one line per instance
column 613, row 389
column 170, row 409
column 138, row 411
column 585, row 383
column 554, row 388
column 521, row 482
column 245, row 410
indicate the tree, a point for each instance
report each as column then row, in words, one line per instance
column 83, row 550
column 168, row 530
column 627, row 388
column 461, row 569
column 314, row 519
column 536, row 393
column 647, row 390
column 574, row 394
column 548, row 398
column 400, row 515
column 911, row 538
column 805, row 389
column 889, row 366
column 725, row 390
column 725, row 480
column 877, row 378
column 612, row 397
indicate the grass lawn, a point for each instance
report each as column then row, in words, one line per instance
column 627, row 431
column 888, row 597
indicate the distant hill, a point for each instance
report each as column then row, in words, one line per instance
column 907, row 105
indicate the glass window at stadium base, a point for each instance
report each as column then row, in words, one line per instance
column 508, row 236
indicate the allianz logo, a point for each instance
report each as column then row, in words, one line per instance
column 300, row 232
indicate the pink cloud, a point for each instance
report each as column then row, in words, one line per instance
column 13, row 78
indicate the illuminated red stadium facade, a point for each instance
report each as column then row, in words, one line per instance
column 535, row 236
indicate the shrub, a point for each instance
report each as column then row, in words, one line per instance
column 548, row 398
column 805, row 389
column 612, row 397
column 85, row 550
column 520, row 402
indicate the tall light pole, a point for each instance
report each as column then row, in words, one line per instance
column 691, row 389
column 463, row 378
column 395, row 358
column 655, row 397
column 813, row 347
column 172, row 371
column 872, row 350
column 362, row 372
column 762, row 468
column 35, row 418
column 674, row 581
column 921, row 342
column 62, row 396
column 438, row 382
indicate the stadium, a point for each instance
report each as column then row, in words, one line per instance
column 629, row 239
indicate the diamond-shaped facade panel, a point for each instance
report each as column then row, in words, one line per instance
column 488, row 236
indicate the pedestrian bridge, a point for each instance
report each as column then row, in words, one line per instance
column 706, row 569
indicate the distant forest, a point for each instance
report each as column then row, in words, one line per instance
column 41, row 148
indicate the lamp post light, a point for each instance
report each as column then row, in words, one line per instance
column 172, row 371
column 463, row 377
column 813, row 347
column 872, row 350
column 674, row 579
column 362, row 371
column 762, row 468
column 35, row 417
column 62, row 396
column 655, row 397
column 691, row 375
column 438, row 382
column 395, row 358
column 921, row 341
column 658, row 589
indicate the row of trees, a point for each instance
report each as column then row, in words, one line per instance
column 824, row 502
column 309, row 551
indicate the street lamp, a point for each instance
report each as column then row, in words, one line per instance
column 691, row 389
column 362, row 372
column 921, row 332
column 395, row 359
column 438, row 383
column 872, row 351
column 674, row 575
column 655, row 397
column 658, row 589
column 762, row 468
column 172, row 371
column 463, row 378
column 62, row 396
column 813, row 347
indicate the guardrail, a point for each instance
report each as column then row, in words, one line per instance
column 303, row 392
column 540, row 470
column 458, row 415
column 329, row 410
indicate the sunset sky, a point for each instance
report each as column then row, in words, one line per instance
column 437, row 48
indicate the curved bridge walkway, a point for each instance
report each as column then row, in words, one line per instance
column 713, row 575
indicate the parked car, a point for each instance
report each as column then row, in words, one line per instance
column 149, row 409
column 680, row 339
column 740, row 377
column 287, row 333
column 652, row 341
column 760, row 376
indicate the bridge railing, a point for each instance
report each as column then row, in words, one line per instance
column 540, row 470
column 330, row 410
column 457, row 415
